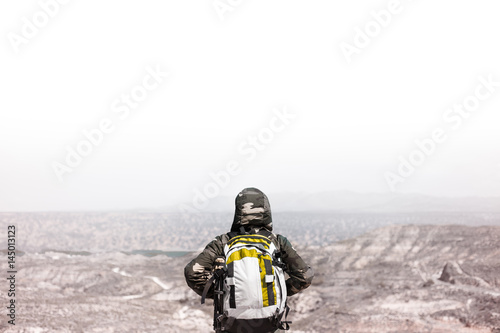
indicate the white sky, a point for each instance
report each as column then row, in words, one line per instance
column 353, row 120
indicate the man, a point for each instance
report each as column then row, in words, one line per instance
column 252, row 216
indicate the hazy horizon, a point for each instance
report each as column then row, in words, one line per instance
column 126, row 105
column 327, row 201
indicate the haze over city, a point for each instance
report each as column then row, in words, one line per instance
column 286, row 97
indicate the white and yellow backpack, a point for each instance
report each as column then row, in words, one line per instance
column 254, row 290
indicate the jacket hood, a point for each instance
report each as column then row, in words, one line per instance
column 252, row 209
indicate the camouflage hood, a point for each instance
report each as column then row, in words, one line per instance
column 252, row 210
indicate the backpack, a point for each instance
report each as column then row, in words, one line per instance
column 253, row 293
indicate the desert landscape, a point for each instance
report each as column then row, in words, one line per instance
column 123, row 272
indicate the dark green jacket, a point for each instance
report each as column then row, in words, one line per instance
column 252, row 211
column 198, row 271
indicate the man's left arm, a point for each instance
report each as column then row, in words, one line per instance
column 199, row 270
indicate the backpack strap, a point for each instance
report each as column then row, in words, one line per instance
column 264, row 232
column 284, row 324
column 207, row 288
column 231, row 235
column 277, row 255
column 278, row 262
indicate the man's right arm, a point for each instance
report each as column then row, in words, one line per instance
column 300, row 273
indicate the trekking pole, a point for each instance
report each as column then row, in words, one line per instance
column 217, row 305
column 219, row 274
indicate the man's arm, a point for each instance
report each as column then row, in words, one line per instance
column 198, row 271
column 300, row 273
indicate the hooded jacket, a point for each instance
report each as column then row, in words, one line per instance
column 252, row 212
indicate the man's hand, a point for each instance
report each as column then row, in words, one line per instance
column 220, row 262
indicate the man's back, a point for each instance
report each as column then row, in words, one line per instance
column 253, row 219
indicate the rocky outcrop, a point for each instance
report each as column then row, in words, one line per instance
column 448, row 273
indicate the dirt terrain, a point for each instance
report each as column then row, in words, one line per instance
column 392, row 279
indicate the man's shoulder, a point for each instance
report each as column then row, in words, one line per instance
column 221, row 239
column 281, row 239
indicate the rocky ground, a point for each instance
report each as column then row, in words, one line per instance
column 393, row 279
column 389, row 281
